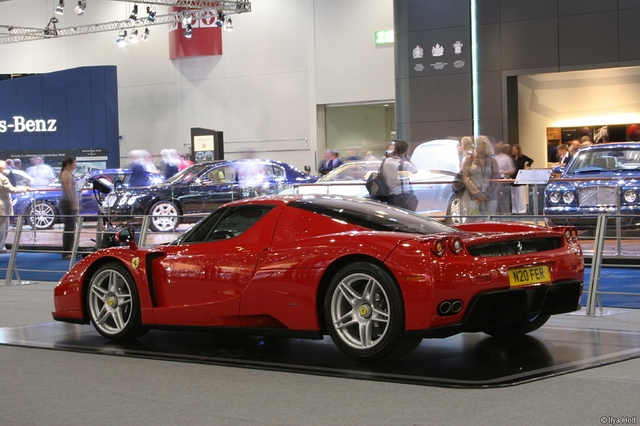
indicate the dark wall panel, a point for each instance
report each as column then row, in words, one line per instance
column 431, row 14
column 529, row 44
column 489, row 48
column 629, row 43
column 441, row 98
column 488, row 12
column 628, row 4
column 522, row 10
column 577, row 7
column 588, row 38
column 29, row 107
column 490, row 95
column 55, row 101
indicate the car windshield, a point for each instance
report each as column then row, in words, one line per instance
column 350, row 172
column 372, row 215
column 188, row 173
column 603, row 160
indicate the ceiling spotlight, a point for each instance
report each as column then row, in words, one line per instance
column 82, row 5
column 228, row 25
column 187, row 20
column 60, row 8
column 151, row 11
column 220, row 19
column 188, row 32
column 133, row 38
column 121, row 37
column 51, row 30
column 134, row 13
column 145, row 35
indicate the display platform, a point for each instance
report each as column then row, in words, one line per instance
column 472, row 360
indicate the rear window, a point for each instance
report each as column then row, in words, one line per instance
column 372, row 215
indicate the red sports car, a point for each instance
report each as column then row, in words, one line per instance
column 378, row 279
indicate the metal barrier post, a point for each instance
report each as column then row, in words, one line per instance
column 596, row 262
column 142, row 241
column 618, row 226
column 76, row 241
column 14, row 254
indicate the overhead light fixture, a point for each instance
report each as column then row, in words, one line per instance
column 82, row 5
column 133, row 38
column 151, row 12
column 134, row 13
column 51, row 30
column 188, row 32
column 60, row 8
column 145, row 35
column 228, row 25
column 121, row 37
column 220, row 19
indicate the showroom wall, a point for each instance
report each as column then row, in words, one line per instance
column 282, row 59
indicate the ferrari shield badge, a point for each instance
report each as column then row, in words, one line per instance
column 135, row 262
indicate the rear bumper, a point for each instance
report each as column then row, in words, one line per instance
column 502, row 308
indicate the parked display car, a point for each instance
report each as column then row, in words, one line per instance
column 599, row 179
column 376, row 278
column 437, row 162
column 41, row 206
column 200, row 189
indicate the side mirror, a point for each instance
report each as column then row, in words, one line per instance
column 127, row 235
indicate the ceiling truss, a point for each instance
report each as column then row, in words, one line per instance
column 196, row 9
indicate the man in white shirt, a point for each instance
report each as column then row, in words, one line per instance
column 507, row 170
column 41, row 173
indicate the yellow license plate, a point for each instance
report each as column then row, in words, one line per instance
column 530, row 275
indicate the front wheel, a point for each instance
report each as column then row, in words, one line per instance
column 364, row 314
column 164, row 217
column 113, row 303
column 454, row 213
column 42, row 215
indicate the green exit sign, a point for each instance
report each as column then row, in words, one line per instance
column 384, row 37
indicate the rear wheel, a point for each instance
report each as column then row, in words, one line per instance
column 113, row 303
column 42, row 215
column 454, row 214
column 164, row 217
column 364, row 314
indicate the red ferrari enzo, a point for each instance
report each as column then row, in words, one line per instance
column 378, row 279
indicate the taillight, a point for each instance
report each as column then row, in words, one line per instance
column 455, row 245
column 437, row 247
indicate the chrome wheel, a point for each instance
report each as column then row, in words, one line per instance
column 455, row 211
column 42, row 216
column 164, row 217
column 360, row 311
column 113, row 303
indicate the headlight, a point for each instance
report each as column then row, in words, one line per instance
column 555, row 197
column 568, row 197
column 630, row 196
column 110, row 200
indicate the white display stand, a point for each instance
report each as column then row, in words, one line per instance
column 533, row 177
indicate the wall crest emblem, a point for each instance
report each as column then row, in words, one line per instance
column 437, row 50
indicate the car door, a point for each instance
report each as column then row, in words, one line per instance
column 210, row 189
column 199, row 280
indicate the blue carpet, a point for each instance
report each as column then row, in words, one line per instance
column 51, row 267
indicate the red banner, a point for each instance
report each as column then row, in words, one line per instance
column 205, row 40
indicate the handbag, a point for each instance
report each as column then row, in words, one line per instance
column 406, row 200
column 376, row 184
column 458, row 186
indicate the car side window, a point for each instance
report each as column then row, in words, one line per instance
column 237, row 221
column 225, row 223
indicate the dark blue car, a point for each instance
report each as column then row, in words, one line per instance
column 199, row 190
column 601, row 178
column 41, row 207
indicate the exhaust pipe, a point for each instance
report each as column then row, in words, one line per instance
column 449, row 307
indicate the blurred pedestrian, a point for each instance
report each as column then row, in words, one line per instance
column 479, row 174
column 397, row 181
column 184, row 161
column 507, row 169
column 520, row 193
column 69, row 205
column 41, row 173
column 6, row 207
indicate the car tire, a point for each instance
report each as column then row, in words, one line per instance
column 164, row 217
column 113, row 303
column 454, row 212
column 42, row 215
column 364, row 313
column 522, row 327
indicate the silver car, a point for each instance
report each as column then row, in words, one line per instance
column 437, row 162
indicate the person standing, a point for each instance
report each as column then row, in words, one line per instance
column 326, row 165
column 6, row 208
column 41, row 173
column 519, row 193
column 397, row 182
column 480, row 174
column 507, row 169
column 68, row 204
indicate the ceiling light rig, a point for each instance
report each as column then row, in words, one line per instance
column 134, row 14
column 82, row 5
column 198, row 8
column 60, row 9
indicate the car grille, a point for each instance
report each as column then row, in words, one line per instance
column 510, row 248
column 597, row 196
